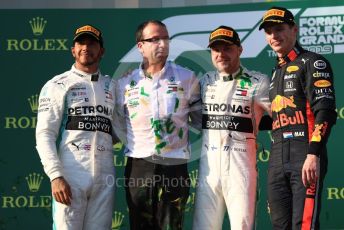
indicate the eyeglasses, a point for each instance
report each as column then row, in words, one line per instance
column 156, row 40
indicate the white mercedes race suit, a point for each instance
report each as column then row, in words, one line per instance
column 232, row 109
column 75, row 113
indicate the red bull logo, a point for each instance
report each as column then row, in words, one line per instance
column 284, row 120
column 281, row 102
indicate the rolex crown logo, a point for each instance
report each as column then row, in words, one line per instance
column 117, row 221
column 193, row 178
column 34, row 181
column 38, row 25
column 33, row 101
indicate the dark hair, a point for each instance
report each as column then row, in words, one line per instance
column 142, row 26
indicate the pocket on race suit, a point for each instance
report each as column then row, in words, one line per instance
column 242, row 169
column 78, row 177
column 244, row 153
column 104, row 169
column 298, row 150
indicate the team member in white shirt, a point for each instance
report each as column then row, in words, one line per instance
column 155, row 103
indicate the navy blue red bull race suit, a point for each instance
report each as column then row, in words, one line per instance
column 303, row 112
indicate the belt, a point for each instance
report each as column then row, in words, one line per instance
column 157, row 159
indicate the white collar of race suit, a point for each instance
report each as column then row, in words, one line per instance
column 90, row 76
column 229, row 77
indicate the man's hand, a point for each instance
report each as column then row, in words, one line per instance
column 310, row 170
column 61, row 191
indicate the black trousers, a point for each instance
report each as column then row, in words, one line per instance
column 291, row 204
column 157, row 190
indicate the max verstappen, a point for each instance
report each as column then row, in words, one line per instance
column 303, row 112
